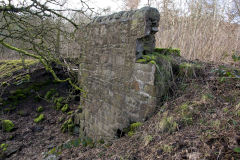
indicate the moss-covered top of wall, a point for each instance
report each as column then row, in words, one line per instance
column 168, row 51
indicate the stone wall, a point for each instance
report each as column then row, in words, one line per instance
column 119, row 90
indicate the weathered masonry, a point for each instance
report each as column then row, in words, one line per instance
column 119, row 90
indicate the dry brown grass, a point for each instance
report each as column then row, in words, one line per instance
column 201, row 31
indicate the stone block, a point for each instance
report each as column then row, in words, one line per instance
column 120, row 60
column 117, row 86
column 135, row 85
column 145, row 77
column 150, row 89
column 145, row 67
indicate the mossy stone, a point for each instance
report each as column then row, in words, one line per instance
column 135, row 126
column 58, row 106
column 132, row 128
column 3, row 147
column 7, row 125
column 39, row 118
column 68, row 125
column 50, row 94
column 58, row 100
column 65, row 108
column 39, row 109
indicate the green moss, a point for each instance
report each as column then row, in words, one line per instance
column 39, row 109
column 168, row 51
column 131, row 133
column 3, row 146
column 39, row 118
column 27, row 77
column 70, row 112
column 132, row 128
column 22, row 78
column 68, row 126
column 7, row 125
column 135, row 126
column 18, row 95
column 50, row 94
column 65, row 108
column 8, row 67
column 58, row 106
column 59, row 100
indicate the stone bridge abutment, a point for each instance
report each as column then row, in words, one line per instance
column 119, row 90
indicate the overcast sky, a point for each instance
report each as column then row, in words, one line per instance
column 115, row 5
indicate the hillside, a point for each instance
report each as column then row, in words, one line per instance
column 198, row 120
